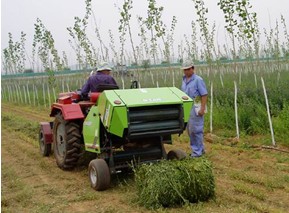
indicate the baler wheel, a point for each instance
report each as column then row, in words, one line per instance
column 177, row 154
column 67, row 143
column 99, row 174
column 45, row 149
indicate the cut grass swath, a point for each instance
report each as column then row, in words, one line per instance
column 172, row 183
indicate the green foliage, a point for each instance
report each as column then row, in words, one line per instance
column 285, row 45
column 143, row 40
column 124, row 26
column 112, row 47
column 153, row 20
column 80, row 39
column 191, row 50
column 44, row 39
column 242, row 24
column 252, row 114
column 14, row 55
column 158, row 30
column 154, row 25
column 171, row 183
column 146, row 64
column 43, row 42
column 228, row 8
column 281, row 124
column 207, row 37
column 248, row 19
column 256, row 124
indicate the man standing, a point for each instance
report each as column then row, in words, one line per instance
column 194, row 86
column 101, row 77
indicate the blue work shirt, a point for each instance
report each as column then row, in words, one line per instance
column 194, row 87
column 95, row 80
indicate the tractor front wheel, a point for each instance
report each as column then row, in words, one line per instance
column 67, row 143
column 99, row 174
column 176, row 154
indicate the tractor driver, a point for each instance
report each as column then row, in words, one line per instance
column 101, row 77
column 194, row 86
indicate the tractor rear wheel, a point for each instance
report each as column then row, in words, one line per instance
column 45, row 149
column 177, row 154
column 67, row 143
column 99, row 174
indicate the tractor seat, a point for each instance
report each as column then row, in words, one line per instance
column 100, row 88
column 94, row 96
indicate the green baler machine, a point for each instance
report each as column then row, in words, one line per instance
column 131, row 126
column 122, row 127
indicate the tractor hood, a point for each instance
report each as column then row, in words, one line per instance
column 149, row 96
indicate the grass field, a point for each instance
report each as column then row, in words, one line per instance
column 247, row 179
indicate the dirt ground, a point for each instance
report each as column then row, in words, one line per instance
column 247, row 179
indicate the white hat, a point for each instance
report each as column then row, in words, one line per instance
column 104, row 66
column 187, row 65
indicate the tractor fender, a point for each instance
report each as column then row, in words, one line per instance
column 47, row 132
column 69, row 111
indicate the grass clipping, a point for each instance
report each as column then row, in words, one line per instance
column 172, row 183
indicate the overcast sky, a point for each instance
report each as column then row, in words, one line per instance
column 57, row 15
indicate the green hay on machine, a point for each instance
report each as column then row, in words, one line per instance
column 172, row 183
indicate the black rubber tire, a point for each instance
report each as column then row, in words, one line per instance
column 45, row 149
column 71, row 141
column 177, row 154
column 99, row 174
